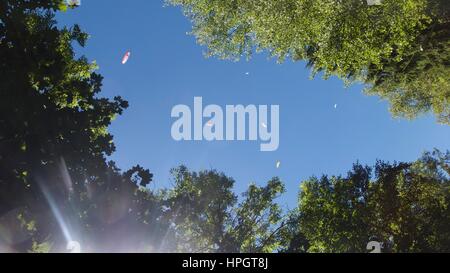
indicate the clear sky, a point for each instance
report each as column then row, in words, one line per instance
column 167, row 68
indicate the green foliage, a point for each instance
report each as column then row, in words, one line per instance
column 53, row 124
column 41, row 248
column 405, row 206
column 398, row 49
column 54, row 143
column 207, row 217
column 421, row 80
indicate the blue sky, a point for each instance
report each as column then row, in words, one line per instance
column 167, row 68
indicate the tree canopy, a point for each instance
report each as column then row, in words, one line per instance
column 405, row 206
column 400, row 49
column 57, row 184
column 207, row 216
column 53, row 124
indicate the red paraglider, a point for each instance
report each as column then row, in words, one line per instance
column 126, row 57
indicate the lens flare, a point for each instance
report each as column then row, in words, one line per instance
column 55, row 211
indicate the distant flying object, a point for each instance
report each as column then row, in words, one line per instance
column 278, row 164
column 335, row 106
column 247, row 73
column 263, row 125
column 126, row 57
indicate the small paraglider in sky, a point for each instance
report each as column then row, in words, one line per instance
column 278, row 164
column 126, row 57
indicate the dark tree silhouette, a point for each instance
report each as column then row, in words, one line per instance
column 53, row 126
